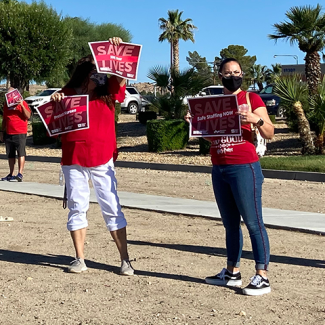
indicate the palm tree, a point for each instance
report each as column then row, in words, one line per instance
column 293, row 93
column 174, row 29
column 180, row 84
column 259, row 74
column 273, row 73
column 317, row 115
column 306, row 26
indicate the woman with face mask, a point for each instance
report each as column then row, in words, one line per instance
column 89, row 154
column 237, row 183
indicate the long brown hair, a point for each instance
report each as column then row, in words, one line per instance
column 80, row 79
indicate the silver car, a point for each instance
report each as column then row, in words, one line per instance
column 133, row 100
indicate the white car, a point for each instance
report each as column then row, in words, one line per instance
column 215, row 90
column 40, row 99
column 133, row 101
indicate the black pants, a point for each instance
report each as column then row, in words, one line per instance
column 15, row 142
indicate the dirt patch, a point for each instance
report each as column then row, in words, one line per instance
column 173, row 254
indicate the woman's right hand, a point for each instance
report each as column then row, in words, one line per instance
column 188, row 117
column 57, row 97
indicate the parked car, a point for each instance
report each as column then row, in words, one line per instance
column 215, row 90
column 211, row 91
column 145, row 103
column 40, row 99
column 133, row 101
column 271, row 101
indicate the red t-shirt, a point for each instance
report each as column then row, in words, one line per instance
column 231, row 150
column 96, row 145
column 15, row 119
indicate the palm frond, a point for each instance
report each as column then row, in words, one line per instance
column 160, row 75
column 290, row 89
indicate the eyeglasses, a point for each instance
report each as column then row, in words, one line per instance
column 235, row 73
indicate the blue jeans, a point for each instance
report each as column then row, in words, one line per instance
column 238, row 192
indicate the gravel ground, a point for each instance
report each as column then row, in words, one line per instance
column 172, row 254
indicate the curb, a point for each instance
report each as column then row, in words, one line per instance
column 268, row 173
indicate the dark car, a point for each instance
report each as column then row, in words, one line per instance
column 271, row 101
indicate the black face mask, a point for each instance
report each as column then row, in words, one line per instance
column 233, row 83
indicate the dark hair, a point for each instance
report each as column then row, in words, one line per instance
column 80, row 78
column 226, row 61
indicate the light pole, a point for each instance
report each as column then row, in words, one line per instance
column 294, row 56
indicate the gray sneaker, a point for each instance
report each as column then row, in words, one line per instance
column 77, row 266
column 126, row 268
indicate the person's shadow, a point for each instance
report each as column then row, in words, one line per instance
column 62, row 261
column 221, row 252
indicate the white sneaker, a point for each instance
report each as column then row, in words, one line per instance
column 126, row 268
column 77, row 266
column 225, row 278
column 258, row 286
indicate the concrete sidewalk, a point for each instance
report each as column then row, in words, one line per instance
column 284, row 219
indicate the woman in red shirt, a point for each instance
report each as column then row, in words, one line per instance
column 237, row 183
column 88, row 154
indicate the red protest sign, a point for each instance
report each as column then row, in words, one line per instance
column 214, row 116
column 13, row 97
column 121, row 60
column 68, row 115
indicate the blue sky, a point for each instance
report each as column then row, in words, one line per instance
column 220, row 23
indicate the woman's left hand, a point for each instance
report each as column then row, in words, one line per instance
column 246, row 116
column 115, row 40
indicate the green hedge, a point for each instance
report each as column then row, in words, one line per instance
column 2, row 101
column 164, row 135
column 117, row 111
column 143, row 117
column 204, row 146
column 40, row 135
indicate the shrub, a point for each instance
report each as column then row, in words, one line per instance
column 204, row 146
column 117, row 111
column 166, row 135
column 40, row 135
column 2, row 101
column 147, row 116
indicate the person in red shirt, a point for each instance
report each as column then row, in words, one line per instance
column 237, row 183
column 89, row 155
column 14, row 133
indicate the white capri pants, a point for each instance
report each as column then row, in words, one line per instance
column 78, row 193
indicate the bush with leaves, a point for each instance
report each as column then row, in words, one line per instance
column 164, row 135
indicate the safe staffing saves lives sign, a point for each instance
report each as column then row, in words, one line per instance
column 214, row 116
column 68, row 115
column 13, row 97
column 121, row 60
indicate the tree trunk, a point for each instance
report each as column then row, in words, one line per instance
column 306, row 137
column 260, row 85
column 8, row 82
column 18, row 83
column 313, row 71
column 176, row 54
column 320, row 143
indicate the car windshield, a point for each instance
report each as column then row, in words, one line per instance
column 132, row 91
column 215, row 91
column 267, row 90
column 47, row 92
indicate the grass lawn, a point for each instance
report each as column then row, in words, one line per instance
column 296, row 163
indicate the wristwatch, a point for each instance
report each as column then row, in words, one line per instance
column 260, row 122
